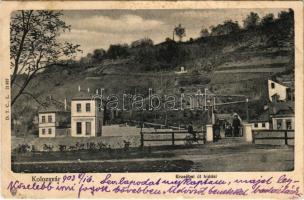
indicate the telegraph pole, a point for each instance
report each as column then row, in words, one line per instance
column 206, row 109
column 206, row 99
column 247, row 110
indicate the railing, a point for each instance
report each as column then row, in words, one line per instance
column 172, row 139
column 156, row 125
column 285, row 137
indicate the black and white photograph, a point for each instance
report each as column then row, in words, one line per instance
column 152, row 90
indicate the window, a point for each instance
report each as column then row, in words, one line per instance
column 88, row 107
column 78, row 127
column 50, row 131
column 256, row 125
column 272, row 85
column 43, row 119
column 289, row 94
column 263, row 125
column 279, row 124
column 78, row 107
column 88, row 128
column 288, row 124
column 43, row 131
column 50, row 118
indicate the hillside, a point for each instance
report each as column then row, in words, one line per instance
column 237, row 63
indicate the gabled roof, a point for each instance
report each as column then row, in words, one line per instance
column 282, row 108
column 263, row 117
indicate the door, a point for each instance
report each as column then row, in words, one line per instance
column 88, row 128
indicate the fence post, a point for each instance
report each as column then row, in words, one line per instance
column 285, row 136
column 247, row 132
column 209, row 133
column 141, row 139
column 173, row 138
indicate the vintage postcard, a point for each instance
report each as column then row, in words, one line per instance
column 142, row 99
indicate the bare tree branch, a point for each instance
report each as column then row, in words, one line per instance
column 35, row 45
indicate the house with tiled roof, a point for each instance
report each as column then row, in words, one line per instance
column 54, row 119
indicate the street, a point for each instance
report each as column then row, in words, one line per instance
column 209, row 158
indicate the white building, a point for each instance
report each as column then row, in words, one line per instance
column 86, row 120
column 182, row 71
column 262, row 122
column 277, row 91
column 283, row 116
column 54, row 120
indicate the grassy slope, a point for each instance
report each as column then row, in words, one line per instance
column 255, row 49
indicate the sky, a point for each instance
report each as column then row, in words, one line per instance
column 94, row 29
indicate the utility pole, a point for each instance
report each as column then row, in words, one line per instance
column 213, row 108
column 206, row 109
column 247, row 110
column 206, row 99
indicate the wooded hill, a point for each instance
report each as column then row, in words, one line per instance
column 237, row 61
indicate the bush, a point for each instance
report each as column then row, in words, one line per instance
column 117, row 51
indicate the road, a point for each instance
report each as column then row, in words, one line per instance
column 211, row 158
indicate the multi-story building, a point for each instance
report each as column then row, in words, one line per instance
column 54, row 120
column 86, row 116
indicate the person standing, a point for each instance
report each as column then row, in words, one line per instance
column 217, row 131
column 191, row 131
column 236, row 125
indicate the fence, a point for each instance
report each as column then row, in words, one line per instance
column 273, row 136
column 155, row 125
column 171, row 139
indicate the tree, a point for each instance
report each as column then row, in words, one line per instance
column 286, row 15
column 146, row 56
column 286, row 24
column 86, row 59
column 226, row 28
column 267, row 19
column 117, row 51
column 98, row 55
column 204, row 32
column 34, row 45
column 251, row 21
column 180, row 32
column 286, row 20
column 144, row 42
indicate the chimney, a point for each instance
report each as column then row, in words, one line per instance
column 78, row 88
column 65, row 104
